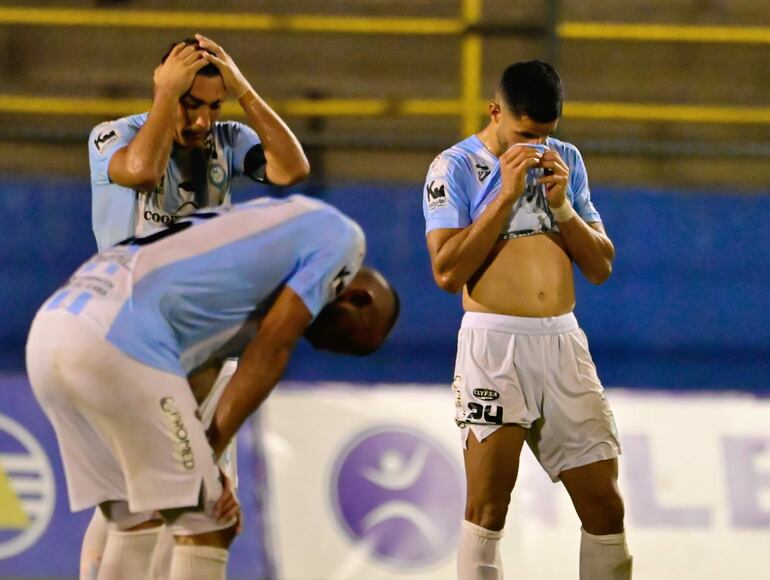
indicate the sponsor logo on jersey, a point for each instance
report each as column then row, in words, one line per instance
column 27, row 489
column 399, row 495
column 106, row 137
column 184, row 451
column 482, row 170
column 436, row 195
column 184, row 210
column 486, row 394
column 158, row 218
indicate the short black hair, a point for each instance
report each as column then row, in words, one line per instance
column 533, row 89
column 209, row 70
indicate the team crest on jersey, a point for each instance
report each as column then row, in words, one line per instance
column 436, row 193
column 106, row 137
column 217, row 175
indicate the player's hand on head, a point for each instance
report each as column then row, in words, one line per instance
column 235, row 82
column 514, row 164
column 177, row 73
column 556, row 178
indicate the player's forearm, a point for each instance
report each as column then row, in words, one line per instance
column 259, row 370
column 286, row 160
column 591, row 250
column 148, row 153
column 462, row 255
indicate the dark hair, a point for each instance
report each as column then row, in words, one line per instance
column 209, row 70
column 533, row 89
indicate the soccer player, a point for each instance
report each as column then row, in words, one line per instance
column 507, row 212
column 152, row 168
column 110, row 353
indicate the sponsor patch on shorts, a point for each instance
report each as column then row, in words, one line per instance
column 184, row 452
column 486, row 394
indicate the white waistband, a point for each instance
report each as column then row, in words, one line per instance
column 520, row 324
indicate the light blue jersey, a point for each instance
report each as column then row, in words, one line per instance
column 120, row 212
column 465, row 178
column 176, row 296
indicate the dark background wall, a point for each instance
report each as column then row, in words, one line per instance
column 686, row 308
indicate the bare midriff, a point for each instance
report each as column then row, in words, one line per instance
column 529, row 276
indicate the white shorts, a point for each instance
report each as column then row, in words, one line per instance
column 537, row 373
column 126, row 431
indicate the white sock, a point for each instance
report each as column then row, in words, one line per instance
column 92, row 549
column 127, row 555
column 604, row 557
column 198, row 563
column 160, row 566
column 478, row 555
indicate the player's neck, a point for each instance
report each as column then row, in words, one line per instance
column 488, row 138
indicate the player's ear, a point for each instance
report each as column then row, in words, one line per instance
column 359, row 297
column 494, row 111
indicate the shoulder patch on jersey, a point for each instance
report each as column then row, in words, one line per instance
column 340, row 282
column 436, row 193
column 108, row 135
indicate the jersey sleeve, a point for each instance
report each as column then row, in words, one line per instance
column 104, row 141
column 325, row 272
column 113, row 207
column 579, row 192
column 445, row 195
column 244, row 142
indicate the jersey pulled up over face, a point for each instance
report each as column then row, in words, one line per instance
column 176, row 296
column 465, row 178
column 120, row 212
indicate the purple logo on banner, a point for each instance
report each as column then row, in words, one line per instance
column 399, row 493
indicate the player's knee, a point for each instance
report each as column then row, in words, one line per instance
column 604, row 512
column 487, row 513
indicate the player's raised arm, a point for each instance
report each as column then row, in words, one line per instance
column 142, row 163
column 286, row 162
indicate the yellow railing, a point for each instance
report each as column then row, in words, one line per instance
column 470, row 107
column 380, row 107
column 663, row 33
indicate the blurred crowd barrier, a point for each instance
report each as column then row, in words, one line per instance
column 664, row 93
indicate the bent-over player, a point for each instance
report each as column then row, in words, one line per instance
column 110, row 353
